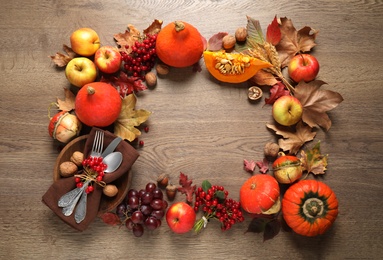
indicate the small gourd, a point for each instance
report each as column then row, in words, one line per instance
column 232, row 67
column 287, row 169
column 98, row 104
column 179, row 44
column 309, row 207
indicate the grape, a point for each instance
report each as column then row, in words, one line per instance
column 138, row 230
column 137, row 217
column 150, row 187
column 129, row 224
column 157, row 204
column 165, row 206
column 132, row 193
column 151, row 223
column 133, row 202
column 141, row 192
column 157, row 193
column 120, row 210
column 146, row 198
column 158, row 213
column 146, row 209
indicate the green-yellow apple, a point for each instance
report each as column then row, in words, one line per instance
column 287, row 110
column 303, row 67
column 80, row 71
column 180, row 217
column 108, row 59
column 85, row 41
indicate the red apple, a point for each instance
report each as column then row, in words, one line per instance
column 303, row 67
column 287, row 110
column 108, row 59
column 180, row 217
column 85, row 41
column 80, row 71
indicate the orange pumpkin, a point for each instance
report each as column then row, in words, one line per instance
column 179, row 44
column 259, row 193
column 98, row 104
column 232, row 67
column 309, row 207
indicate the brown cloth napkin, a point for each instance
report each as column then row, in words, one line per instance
column 64, row 185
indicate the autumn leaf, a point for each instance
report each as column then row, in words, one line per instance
column 110, row 218
column 313, row 161
column 263, row 78
column 61, row 60
column 129, row 119
column 125, row 84
column 154, row 27
column 273, row 33
column 276, row 92
column 293, row 141
column 263, row 165
column 68, row 103
column 215, row 42
column 127, row 39
column 293, row 41
column 269, row 225
column 316, row 102
column 249, row 165
column 254, row 32
column 186, row 187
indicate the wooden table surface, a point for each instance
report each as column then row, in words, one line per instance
column 198, row 127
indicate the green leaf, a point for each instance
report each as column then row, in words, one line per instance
column 206, row 185
column 220, row 195
column 254, row 32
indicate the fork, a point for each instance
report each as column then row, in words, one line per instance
column 98, row 144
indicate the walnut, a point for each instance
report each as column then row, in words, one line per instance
column 241, row 34
column 151, row 79
column 110, row 190
column 68, row 169
column 228, row 42
column 77, row 158
column 271, row 150
column 162, row 69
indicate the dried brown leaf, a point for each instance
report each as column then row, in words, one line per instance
column 293, row 140
column 313, row 161
column 61, row 60
column 68, row 103
column 127, row 39
column 316, row 102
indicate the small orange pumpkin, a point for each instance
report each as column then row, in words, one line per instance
column 287, row 169
column 179, row 44
column 232, row 67
column 259, row 193
column 309, row 207
column 98, row 104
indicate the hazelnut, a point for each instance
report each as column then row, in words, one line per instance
column 68, row 169
column 151, row 79
column 110, row 190
column 77, row 158
column 163, row 180
column 171, row 191
column 271, row 150
column 241, row 34
column 162, row 69
column 228, row 42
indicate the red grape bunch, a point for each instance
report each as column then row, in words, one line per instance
column 143, row 208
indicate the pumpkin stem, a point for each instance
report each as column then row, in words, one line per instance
column 90, row 90
column 313, row 207
column 179, row 26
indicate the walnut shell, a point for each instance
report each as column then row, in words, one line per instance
column 110, row 190
column 271, row 150
column 77, row 158
column 68, row 169
column 151, row 79
column 241, row 34
column 228, row 42
column 162, row 69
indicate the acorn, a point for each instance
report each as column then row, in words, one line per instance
column 163, row 180
column 171, row 191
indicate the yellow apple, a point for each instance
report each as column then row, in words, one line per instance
column 80, row 71
column 287, row 110
column 85, row 41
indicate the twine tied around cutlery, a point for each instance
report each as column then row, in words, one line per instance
column 90, row 175
column 64, row 185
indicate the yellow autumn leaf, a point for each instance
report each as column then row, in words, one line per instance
column 129, row 119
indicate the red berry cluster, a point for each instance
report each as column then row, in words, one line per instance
column 96, row 168
column 215, row 204
column 142, row 56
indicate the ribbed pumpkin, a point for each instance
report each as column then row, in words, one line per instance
column 259, row 193
column 309, row 207
column 98, row 104
column 179, row 44
column 232, row 67
column 287, row 169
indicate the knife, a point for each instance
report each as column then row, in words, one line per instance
column 111, row 146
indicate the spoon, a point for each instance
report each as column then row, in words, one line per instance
column 113, row 161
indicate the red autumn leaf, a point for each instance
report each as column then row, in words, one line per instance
column 186, row 187
column 249, row 165
column 263, row 165
column 293, row 41
column 125, row 84
column 110, row 218
column 215, row 42
column 293, row 141
column 276, row 92
column 61, row 60
column 316, row 102
column 273, row 33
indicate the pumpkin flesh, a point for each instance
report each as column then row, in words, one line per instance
column 309, row 207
